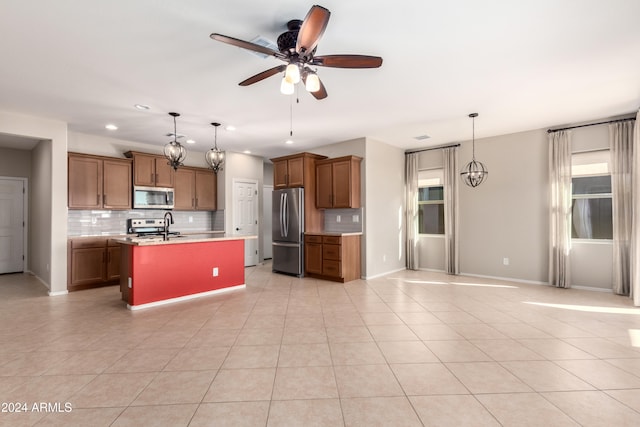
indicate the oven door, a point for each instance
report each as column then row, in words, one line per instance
column 153, row 198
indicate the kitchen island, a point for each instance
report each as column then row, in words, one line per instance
column 157, row 271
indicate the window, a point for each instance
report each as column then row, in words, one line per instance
column 431, row 202
column 591, row 214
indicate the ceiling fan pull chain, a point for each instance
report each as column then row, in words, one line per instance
column 290, row 116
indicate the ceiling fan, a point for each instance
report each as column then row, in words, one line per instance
column 297, row 48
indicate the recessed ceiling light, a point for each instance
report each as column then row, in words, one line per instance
column 142, row 107
column 230, row 128
column 289, row 141
column 247, row 152
column 421, row 137
column 111, row 126
column 190, row 141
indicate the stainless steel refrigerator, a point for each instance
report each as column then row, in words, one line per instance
column 288, row 230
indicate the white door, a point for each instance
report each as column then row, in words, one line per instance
column 267, row 212
column 245, row 217
column 11, row 225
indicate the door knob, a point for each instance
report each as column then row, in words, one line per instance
column 237, row 228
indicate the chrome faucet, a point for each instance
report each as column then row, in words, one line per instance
column 168, row 220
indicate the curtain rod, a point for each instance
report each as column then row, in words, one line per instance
column 591, row 124
column 432, row 148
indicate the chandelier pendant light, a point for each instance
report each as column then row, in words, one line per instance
column 474, row 173
column 215, row 156
column 174, row 151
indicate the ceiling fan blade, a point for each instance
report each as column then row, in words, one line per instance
column 319, row 94
column 312, row 29
column 347, row 61
column 263, row 75
column 247, row 45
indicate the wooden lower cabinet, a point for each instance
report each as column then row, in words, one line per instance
column 332, row 257
column 93, row 262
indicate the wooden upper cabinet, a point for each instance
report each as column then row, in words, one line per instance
column 295, row 170
column 98, row 182
column 324, row 185
column 116, row 184
column 150, row 170
column 184, row 196
column 206, row 190
column 338, row 182
column 195, row 189
column 85, row 182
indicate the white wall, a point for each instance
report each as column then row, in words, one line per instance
column 113, row 147
column 240, row 166
column 15, row 163
column 507, row 216
column 48, row 219
column 384, row 221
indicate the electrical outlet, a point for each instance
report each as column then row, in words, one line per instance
column 355, row 218
column 215, row 272
column 338, row 218
column 190, row 219
column 505, row 261
column 384, row 258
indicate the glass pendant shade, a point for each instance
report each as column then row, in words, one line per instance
column 215, row 156
column 174, row 152
column 474, row 173
column 312, row 83
column 286, row 88
column 292, row 74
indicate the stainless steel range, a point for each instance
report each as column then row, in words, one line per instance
column 151, row 228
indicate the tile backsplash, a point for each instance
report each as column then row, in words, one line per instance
column 106, row 222
column 343, row 220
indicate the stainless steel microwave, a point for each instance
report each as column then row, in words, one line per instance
column 153, row 198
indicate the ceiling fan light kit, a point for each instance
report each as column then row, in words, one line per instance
column 297, row 48
column 474, row 173
column 175, row 152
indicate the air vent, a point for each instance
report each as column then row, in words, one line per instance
column 263, row 41
column 421, row 137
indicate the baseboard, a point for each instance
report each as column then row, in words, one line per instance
column 506, row 279
column 432, row 270
column 45, row 284
column 590, row 288
column 383, row 274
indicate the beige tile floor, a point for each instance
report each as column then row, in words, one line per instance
column 411, row 348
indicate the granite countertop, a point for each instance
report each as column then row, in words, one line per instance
column 334, row 233
column 176, row 240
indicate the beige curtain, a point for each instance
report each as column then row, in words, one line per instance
column 451, row 221
column 411, row 209
column 560, row 209
column 635, row 220
column 621, row 144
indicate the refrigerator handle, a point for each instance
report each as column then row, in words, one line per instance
column 281, row 212
column 286, row 215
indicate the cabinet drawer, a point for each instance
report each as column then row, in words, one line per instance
column 331, row 268
column 334, row 240
column 331, row 252
column 312, row 239
column 88, row 243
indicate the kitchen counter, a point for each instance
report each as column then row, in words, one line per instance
column 332, row 233
column 157, row 272
column 176, row 239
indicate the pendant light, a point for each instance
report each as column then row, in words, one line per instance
column 174, row 151
column 474, row 173
column 215, row 156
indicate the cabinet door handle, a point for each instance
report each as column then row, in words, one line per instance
column 152, row 177
column 156, row 181
column 108, row 256
column 104, row 199
column 97, row 199
column 193, row 202
column 196, row 202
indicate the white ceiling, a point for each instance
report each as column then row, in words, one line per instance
column 520, row 64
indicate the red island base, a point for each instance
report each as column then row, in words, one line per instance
column 158, row 274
